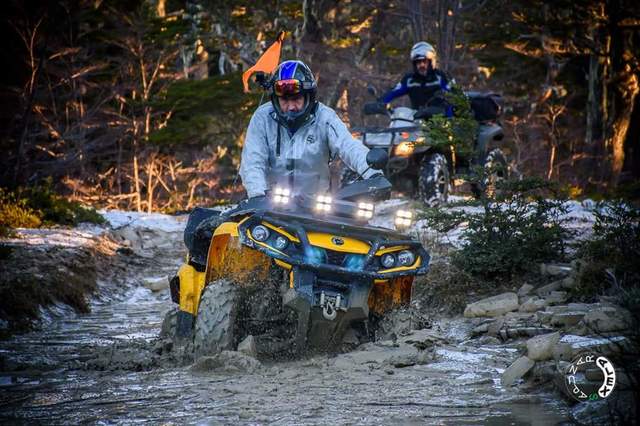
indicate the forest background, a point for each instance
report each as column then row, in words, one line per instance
column 139, row 104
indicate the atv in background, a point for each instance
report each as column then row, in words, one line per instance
column 294, row 272
column 418, row 167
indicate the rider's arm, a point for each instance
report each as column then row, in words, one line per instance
column 352, row 152
column 445, row 85
column 400, row 89
column 255, row 157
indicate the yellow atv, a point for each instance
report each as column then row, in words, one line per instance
column 307, row 267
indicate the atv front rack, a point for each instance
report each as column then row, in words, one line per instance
column 297, row 257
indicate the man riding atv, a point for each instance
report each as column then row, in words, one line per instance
column 416, row 165
column 293, row 137
column 293, row 246
column 296, row 135
column 424, row 83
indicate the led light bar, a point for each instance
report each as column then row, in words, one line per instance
column 404, row 218
column 365, row 210
column 281, row 195
column 323, row 203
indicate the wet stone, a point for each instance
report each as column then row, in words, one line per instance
column 516, row 370
column 556, row 297
column 555, row 268
column 547, row 289
column 533, row 304
column 226, row 362
column 607, row 319
column 248, row 347
column 525, row 290
column 492, row 306
column 571, row 345
column 540, row 348
column 567, row 319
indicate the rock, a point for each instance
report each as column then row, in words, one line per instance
column 515, row 333
column 555, row 269
column 488, row 341
column 571, row 345
column 567, row 319
column 545, row 370
column 248, row 347
column 525, row 290
column 492, row 306
column 583, row 306
column 481, row 329
column 156, row 283
column 540, row 348
column 556, row 297
column 607, row 319
column 516, row 370
column 546, row 289
column 568, row 283
column 617, row 409
column 495, row 327
column 227, row 362
column 533, row 304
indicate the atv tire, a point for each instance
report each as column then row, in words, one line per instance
column 347, row 176
column 496, row 169
column 433, row 181
column 217, row 323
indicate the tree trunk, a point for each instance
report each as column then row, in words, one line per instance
column 414, row 8
column 623, row 87
column 160, row 8
column 593, row 116
column 623, row 102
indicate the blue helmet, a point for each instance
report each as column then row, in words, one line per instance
column 293, row 78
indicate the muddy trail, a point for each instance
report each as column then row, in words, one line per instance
column 109, row 367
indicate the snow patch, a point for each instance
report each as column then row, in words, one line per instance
column 155, row 221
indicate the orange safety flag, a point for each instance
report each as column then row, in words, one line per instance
column 267, row 62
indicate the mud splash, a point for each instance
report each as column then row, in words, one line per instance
column 109, row 366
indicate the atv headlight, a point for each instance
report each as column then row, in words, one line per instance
column 323, row 203
column 280, row 243
column 260, row 233
column 281, row 195
column 365, row 210
column 404, row 149
column 388, row 260
column 406, row 258
column 404, row 219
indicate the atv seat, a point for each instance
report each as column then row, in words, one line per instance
column 428, row 112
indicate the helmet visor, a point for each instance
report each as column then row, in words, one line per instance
column 289, row 87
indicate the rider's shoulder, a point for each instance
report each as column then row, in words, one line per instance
column 442, row 74
column 406, row 77
column 324, row 111
column 264, row 110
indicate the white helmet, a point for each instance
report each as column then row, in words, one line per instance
column 423, row 50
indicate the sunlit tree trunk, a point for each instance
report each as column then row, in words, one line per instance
column 623, row 87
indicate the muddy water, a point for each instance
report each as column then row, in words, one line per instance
column 433, row 376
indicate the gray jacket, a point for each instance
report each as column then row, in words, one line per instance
column 302, row 162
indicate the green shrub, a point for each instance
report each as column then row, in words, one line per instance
column 54, row 209
column 38, row 205
column 512, row 232
column 15, row 213
column 458, row 131
column 611, row 256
